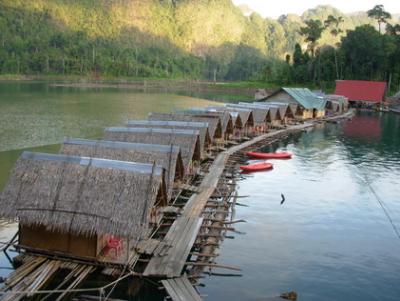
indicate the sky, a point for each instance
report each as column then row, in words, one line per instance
column 273, row 8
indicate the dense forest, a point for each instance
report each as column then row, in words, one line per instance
column 205, row 39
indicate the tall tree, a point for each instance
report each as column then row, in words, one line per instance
column 333, row 24
column 393, row 30
column 379, row 13
column 312, row 33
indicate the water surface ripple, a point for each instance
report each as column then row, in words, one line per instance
column 330, row 240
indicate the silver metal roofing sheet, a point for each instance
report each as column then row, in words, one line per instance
column 168, row 123
column 95, row 162
column 124, row 145
column 153, row 130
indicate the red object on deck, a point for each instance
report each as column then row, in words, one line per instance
column 282, row 155
column 257, row 166
column 115, row 243
column 361, row 90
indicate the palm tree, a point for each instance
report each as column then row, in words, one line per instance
column 312, row 33
column 379, row 13
column 333, row 24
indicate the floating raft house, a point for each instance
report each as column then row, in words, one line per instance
column 225, row 118
column 167, row 156
column 187, row 140
column 214, row 122
column 72, row 204
column 205, row 139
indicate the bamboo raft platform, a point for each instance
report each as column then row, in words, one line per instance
column 194, row 227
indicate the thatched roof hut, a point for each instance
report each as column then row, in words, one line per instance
column 246, row 115
column 259, row 113
column 236, row 120
column 187, row 140
column 274, row 112
column 205, row 139
column 167, row 156
column 225, row 118
column 214, row 123
column 227, row 122
column 81, row 195
column 289, row 110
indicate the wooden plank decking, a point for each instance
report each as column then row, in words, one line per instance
column 183, row 232
column 180, row 239
column 180, row 289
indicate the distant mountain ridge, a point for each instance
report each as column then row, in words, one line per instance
column 150, row 38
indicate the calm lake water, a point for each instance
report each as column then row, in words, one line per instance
column 330, row 240
column 38, row 116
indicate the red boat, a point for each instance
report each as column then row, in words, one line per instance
column 282, row 155
column 257, row 166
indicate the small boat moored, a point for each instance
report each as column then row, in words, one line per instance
column 257, row 166
column 281, row 155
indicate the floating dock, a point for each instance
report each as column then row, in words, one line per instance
column 176, row 253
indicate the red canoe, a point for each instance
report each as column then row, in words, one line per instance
column 282, row 155
column 256, row 166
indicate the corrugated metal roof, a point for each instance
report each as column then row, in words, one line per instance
column 306, row 98
column 361, row 90
column 95, row 162
column 153, row 130
column 124, row 145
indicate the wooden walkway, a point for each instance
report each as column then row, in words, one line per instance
column 194, row 209
column 183, row 232
column 180, row 237
column 180, row 289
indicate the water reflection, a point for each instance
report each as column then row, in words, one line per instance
column 330, row 240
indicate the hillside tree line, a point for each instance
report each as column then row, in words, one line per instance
column 202, row 39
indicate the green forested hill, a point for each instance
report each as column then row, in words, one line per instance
column 150, row 38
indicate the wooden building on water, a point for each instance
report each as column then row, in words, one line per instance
column 188, row 141
column 336, row 104
column 214, row 122
column 242, row 119
column 310, row 105
column 260, row 115
column 274, row 116
column 286, row 111
column 235, row 117
column 205, row 139
column 225, row 118
column 167, row 156
column 71, row 206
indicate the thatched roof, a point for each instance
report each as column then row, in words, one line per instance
column 187, row 140
column 205, row 139
column 236, row 120
column 292, row 110
column 246, row 115
column 273, row 111
column 82, row 195
column 166, row 156
column 259, row 113
column 225, row 118
column 214, row 123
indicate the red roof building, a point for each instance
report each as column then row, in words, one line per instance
column 361, row 90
